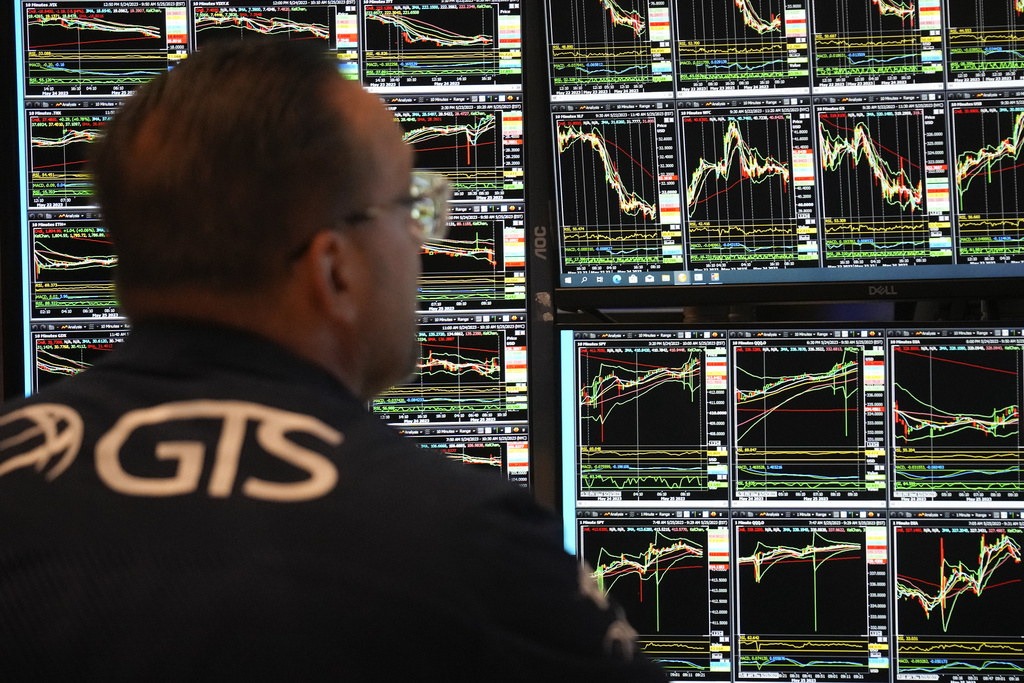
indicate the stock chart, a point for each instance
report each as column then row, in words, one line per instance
column 986, row 41
column 609, row 47
column 809, row 418
column 797, row 614
column 951, row 443
column 653, row 566
column 415, row 45
column 746, row 171
column 649, row 419
column 218, row 21
column 95, row 49
column 620, row 194
column 742, row 45
column 895, row 43
column 987, row 139
column 953, row 581
column 884, row 192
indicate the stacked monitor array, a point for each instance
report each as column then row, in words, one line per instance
column 827, row 148
column 794, row 502
column 452, row 74
column 803, row 503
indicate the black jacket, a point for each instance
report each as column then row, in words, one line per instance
column 204, row 504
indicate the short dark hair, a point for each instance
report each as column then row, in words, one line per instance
column 202, row 174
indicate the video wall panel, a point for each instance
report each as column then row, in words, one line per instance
column 451, row 73
column 800, row 502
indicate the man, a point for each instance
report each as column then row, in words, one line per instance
column 214, row 499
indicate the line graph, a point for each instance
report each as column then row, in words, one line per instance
column 421, row 44
column 477, row 147
column 485, row 456
column 750, row 164
column 605, row 46
column 659, row 576
column 953, row 580
column 987, row 142
column 650, row 473
column 930, row 408
column 799, row 398
column 632, row 20
column 72, row 267
column 480, row 263
column 414, row 31
column 72, row 253
column 57, row 358
column 630, row 202
column 957, row 580
column 981, row 162
column 462, row 135
column 741, row 45
column 858, row 146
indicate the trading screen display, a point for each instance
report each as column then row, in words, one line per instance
column 801, row 502
column 749, row 142
column 451, row 74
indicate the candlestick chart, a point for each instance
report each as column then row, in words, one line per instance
column 741, row 45
column 615, row 177
column 289, row 23
column 604, row 46
column 480, row 263
column 738, row 194
column 956, row 581
column 986, row 41
column 876, row 43
column 94, row 50
column 59, row 147
column 872, row 187
column 659, row 576
column 802, row 581
column 478, row 149
column 987, row 143
column 645, row 428
column 953, row 583
column 468, row 373
column 800, row 420
column 73, row 262
column 419, row 44
column 950, row 440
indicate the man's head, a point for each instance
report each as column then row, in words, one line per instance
column 253, row 176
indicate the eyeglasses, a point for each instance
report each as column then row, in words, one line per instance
column 427, row 203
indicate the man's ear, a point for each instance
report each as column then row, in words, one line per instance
column 335, row 267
